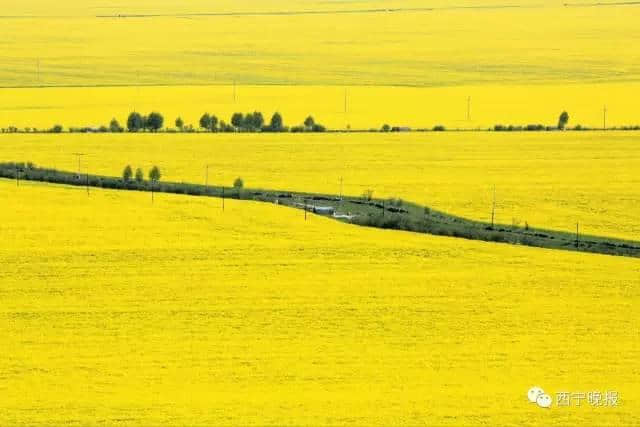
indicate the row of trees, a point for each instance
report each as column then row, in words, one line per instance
column 154, row 174
column 563, row 121
column 137, row 122
column 250, row 122
column 253, row 122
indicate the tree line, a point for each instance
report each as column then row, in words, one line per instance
column 255, row 122
column 239, row 122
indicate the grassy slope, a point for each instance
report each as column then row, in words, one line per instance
column 545, row 180
column 365, row 211
column 116, row 310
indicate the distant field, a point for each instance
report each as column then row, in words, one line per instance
column 520, row 64
column 117, row 311
column 548, row 180
column 547, row 43
column 366, row 107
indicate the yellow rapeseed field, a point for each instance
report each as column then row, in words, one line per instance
column 366, row 107
column 548, row 180
column 408, row 67
column 116, row 311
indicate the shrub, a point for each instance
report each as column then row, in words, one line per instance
column 386, row 128
column 139, row 175
column 114, row 126
column 439, row 128
column 56, row 129
column 318, row 128
column 309, row 122
column 238, row 183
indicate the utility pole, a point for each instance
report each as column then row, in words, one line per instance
column 305, row 208
column 493, row 209
column 340, row 188
column 79, row 157
column 206, row 179
column 577, row 235
column 345, row 101
column 17, row 176
column 137, row 90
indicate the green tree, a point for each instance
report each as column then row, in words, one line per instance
column 237, row 120
column 309, row 122
column 134, row 122
column 277, row 123
column 563, row 120
column 238, row 183
column 386, row 128
column 155, row 121
column 205, row 121
column 139, row 175
column 258, row 120
column 114, row 126
column 180, row 123
column 214, row 122
column 155, row 174
column 127, row 173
